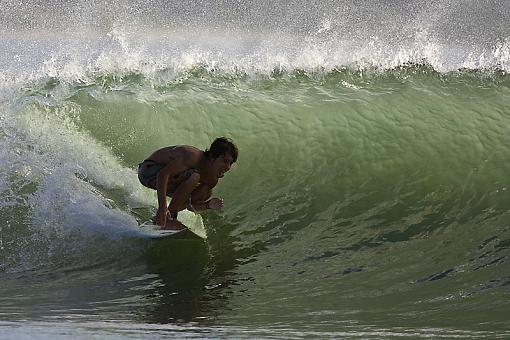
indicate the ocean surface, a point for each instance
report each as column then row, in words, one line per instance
column 371, row 197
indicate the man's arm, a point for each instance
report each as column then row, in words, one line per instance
column 214, row 203
column 198, row 206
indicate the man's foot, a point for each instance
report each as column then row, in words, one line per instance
column 173, row 225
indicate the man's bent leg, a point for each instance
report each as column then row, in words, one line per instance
column 181, row 195
column 180, row 199
column 201, row 194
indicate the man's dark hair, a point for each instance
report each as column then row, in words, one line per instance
column 222, row 146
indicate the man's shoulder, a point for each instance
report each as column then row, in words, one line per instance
column 180, row 150
column 189, row 148
column 190, row 154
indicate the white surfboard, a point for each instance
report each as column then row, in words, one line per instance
column 193, row 222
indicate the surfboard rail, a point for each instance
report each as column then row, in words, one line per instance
column 193, row 222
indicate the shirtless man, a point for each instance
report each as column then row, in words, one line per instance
column 187, row 175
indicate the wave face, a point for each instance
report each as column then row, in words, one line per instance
column 370, row 198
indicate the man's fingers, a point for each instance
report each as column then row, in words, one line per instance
column 218, row 203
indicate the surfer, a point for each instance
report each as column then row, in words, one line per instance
column 187, row 175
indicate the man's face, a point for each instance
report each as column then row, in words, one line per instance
column 222, row 164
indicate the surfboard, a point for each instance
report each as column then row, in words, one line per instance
column 193, row 222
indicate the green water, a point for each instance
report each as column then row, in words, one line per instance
column 359, row 205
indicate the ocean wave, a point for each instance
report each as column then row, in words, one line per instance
column 374, row 148
column 171, row 58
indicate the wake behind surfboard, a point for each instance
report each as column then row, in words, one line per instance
column 195, row 228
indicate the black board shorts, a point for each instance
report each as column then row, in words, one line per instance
column 148, row 173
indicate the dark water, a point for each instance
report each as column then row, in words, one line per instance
column 370, row 198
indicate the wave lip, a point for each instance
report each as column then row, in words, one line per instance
column 75, row 58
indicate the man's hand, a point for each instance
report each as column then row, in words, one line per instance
column 161, row 216
column 215, row 203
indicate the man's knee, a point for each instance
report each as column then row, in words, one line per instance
column 202, row 193
column 186, row 185
column 194, row 178
column 191, row 182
